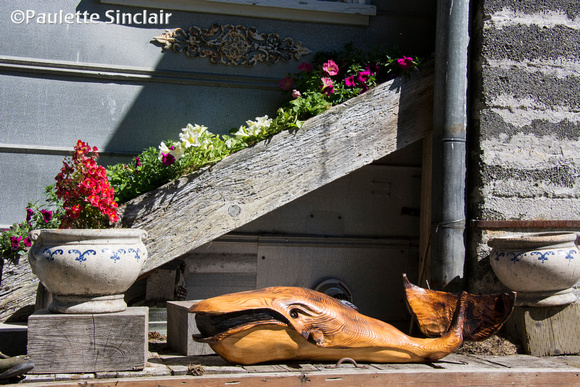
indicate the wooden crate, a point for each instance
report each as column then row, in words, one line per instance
column 546, row 331
column 76, row 343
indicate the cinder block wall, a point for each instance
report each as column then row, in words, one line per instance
column 524, row 160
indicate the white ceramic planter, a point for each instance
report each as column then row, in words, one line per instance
column 87, row 271
column 542, row 268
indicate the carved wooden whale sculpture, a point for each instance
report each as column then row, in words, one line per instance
column 292, row 323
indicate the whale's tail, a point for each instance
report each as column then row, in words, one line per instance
column 434, row 310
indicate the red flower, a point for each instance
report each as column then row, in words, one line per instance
column 75, row 211
column 305, row 67
column 82, row 185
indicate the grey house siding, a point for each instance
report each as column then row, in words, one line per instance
column 525, row 132
column 107, row 84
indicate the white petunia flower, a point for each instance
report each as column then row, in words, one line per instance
column 230, row 142
column 241, row 133
column 163, row 149
column 255, row 128
column 191, row 135
column 176, row 150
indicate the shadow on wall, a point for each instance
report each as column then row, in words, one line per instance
column 152, row 103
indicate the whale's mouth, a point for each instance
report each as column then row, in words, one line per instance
column 214, row 327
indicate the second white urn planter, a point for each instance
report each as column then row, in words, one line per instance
column 541, row 267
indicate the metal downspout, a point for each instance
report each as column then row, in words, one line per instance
column 449, row 145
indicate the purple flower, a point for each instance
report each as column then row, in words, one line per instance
column 27, row 242
column 29, row 213
column 373, row 67
column 15, row 242
column 405, row 62
column 138, row 161
column 286, row 83
column 46, row 214
column 168, row 159
column 349, row 81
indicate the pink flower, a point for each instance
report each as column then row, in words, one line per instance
column 286, row 83
column 15, row 242
column 296, row 94
column 327, row 86
column 138, row 161
column 405, row 62
column 29, row 213
column 330, row 67
column 27, row 242
column 305, row 67
column 349, row 81
column 363, row 76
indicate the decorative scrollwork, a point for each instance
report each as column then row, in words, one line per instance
column 82, row 255
column 232, row 45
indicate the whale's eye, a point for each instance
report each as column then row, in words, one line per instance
column 294, row 313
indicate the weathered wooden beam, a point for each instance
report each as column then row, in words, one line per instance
column 198, row 208
column 76, row 343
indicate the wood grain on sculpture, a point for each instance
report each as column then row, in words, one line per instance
column 292, row 323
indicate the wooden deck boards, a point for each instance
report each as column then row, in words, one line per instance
column 453, row 370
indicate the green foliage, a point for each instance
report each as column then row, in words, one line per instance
column 331, row 78
column 142, row 174
column 15, row 242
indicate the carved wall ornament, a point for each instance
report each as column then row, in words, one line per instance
column 232, row 45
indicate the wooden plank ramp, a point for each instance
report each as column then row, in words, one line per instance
column 453, row 370
column 200, row 207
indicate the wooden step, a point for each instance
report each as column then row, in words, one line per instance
column 198, row 208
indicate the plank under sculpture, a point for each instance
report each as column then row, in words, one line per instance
column 291, row 323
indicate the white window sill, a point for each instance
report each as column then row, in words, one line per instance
column 301, row 10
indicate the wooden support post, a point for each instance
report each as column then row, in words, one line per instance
column 546, row 331
column 77, row 343
column 181, row 326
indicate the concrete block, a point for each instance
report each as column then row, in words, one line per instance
column 79, row 343
column 181, row 326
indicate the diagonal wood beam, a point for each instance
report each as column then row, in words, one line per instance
column 200, row 207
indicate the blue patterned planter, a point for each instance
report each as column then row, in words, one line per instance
column 542, row 268
column 87, row 271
